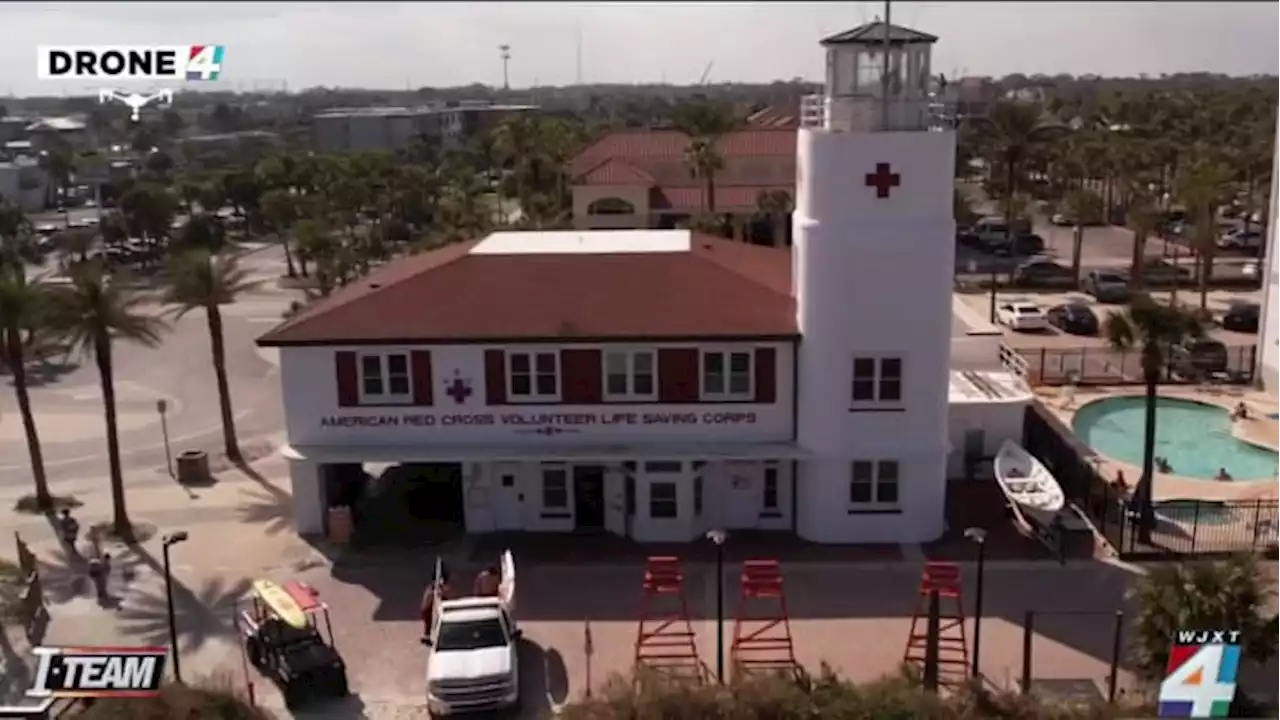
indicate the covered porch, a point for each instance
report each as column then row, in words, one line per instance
column 643, row 492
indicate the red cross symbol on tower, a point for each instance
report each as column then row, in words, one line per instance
column 459, row 389
column 883, row 179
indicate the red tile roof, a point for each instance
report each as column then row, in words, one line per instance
column 755, row 158
column 717, row 289
column 734, row 197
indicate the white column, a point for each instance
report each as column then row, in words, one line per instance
column 308, row 497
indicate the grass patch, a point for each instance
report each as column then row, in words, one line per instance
column 105, row 531
column 28, row 504
column 10, row 591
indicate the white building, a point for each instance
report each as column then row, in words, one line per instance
column 659, row 384
column 1269, row 342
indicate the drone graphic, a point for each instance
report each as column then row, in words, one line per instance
column 135, row 101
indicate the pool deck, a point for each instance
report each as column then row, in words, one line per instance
column 1258, row 430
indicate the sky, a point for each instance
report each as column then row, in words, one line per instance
column 394, row 45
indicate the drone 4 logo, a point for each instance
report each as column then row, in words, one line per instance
column 134, row 101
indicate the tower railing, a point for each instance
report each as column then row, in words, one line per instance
column 868, row 114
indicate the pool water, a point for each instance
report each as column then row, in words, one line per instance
column 1195, row 437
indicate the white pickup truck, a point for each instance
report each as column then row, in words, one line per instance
column 473, row 664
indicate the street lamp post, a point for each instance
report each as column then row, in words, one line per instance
column 170, row 540
column 162, row 407
column 979, row 537
column 718, row 537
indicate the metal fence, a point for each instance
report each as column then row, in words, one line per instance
column 1184, row 527
column 1101, row 629
column 1105, row 366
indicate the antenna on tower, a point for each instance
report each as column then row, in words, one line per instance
column 579, row 59
column 505, row 52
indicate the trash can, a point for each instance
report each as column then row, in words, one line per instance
column 340, row 525
column 193, row 467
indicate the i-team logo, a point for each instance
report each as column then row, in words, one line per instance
column 130, row 62
column 89, row 672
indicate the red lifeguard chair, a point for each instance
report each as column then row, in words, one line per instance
column 761, row 627
column 953, row 650
column 665, row 639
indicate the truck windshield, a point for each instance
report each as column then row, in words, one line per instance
column 471, row 635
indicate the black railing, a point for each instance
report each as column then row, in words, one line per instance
column 1105, row 366
column 1184, row 527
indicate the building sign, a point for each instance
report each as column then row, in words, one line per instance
column 542, row 422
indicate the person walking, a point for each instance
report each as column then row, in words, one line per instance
column 69, row 527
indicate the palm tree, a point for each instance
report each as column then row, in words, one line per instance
column 1151, row 328
column 1012, row 132
column 704, row 160
column 92, row 313
column 1081, row 207
column 17, row 244
column 777, row 206
column 1143, row 218
column 1201, row 187
column 21, row 310
column 280, row 212
column 199, row 279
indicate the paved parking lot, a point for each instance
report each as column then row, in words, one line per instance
column 1052, row 353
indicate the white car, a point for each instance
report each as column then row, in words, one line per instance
column 1022, row 316
column 474, row 661
column 1240, row 240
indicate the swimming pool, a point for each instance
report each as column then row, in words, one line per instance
column 1195, row 512
column 1195, row 437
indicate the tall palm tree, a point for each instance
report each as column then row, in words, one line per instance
column 1143, row 218
column 1203, row 182
column 92, row 313
column 1012, row 132
column 22, row 306
column 1150, row 328
column 17, row 242
column 1082, row 208
column 704, row 160
column 199, row 279
column 280, row 212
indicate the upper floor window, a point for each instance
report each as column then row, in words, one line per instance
column 630, row 375
column 877, row 380
column 533, row 376
column 726, row 375
column 384, row 378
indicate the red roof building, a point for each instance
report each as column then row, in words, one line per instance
column 639, row 178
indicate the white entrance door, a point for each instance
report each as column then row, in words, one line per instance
column 742, row 494
column 508, row 490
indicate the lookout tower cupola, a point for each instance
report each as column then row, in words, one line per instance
column 877, row 78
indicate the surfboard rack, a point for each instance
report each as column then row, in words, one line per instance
column 273, row 623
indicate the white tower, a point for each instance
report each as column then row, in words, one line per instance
column 874, row 259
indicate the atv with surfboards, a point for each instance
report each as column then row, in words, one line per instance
column 279, row 627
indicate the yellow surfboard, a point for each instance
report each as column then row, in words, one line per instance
column 281, row 603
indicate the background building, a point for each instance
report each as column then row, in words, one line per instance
column 390, row 129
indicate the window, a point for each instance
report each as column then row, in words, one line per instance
column 611, row 206
column 385, row 378
column 630, row 375
column 555, row 488
column 726, row 375
column 877, row 380
column 662, row 501
column 534, row 376
column 769, row 496
column 873, row 484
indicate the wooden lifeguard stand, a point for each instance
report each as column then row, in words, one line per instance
column 953, row 649
column 664, row 639
column 761, row 625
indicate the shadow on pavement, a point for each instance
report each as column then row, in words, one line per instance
column 271, row 512
column 200, row 615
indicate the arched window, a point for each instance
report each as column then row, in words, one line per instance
column 611, row 206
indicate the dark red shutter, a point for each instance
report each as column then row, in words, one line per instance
column 348, row 378
column 766, row 369
column 678, row 375
column 420, row 372
column 495, row 377
column 581, row 381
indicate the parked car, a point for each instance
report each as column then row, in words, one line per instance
column 1022, row 316
column 1106, row 287
column 1156, row 272
column 1198, row 357
column 1242, row 316
column 1023, row 244
column 1075, row 318
column 1041, row 271
column 1240, row 239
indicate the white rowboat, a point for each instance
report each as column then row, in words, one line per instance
column 1028, row 484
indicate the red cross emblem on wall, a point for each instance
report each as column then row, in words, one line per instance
column 883, row 179
column 459, row 389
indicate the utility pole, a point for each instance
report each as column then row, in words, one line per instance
column 505, row 51
column 578, row 74
column 884, row 79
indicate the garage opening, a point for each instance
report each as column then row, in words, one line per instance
column 412, row 504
